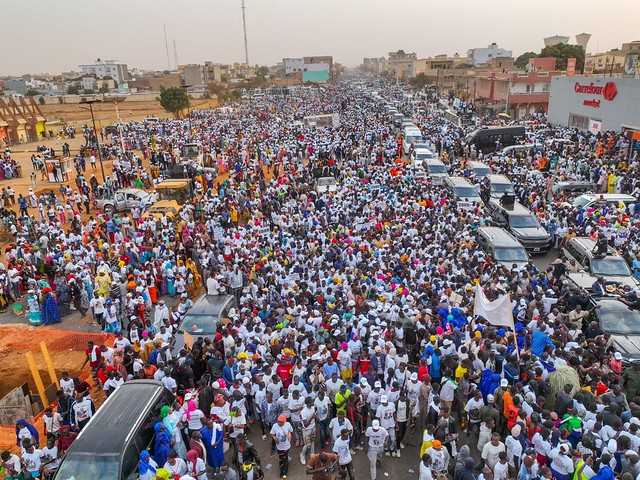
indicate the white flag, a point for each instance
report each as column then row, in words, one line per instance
column 498, row 312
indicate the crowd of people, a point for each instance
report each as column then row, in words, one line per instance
column 353, row 328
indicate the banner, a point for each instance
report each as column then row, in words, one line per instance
column 498, row 312
column 595, row 126
column 571, row 67
column 631, row 65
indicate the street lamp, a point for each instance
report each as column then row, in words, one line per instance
column 186, row 89
column 95, row 131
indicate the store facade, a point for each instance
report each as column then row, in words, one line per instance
column 595, row 104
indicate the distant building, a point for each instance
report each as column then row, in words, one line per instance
column 400, row 64
column 480, row 56
column 318, row 69
column 542, row 64
column 555, row 40
column 107, row 68
column 375, row 65
column 21, row 120
column 216, row 70
column 195, row 75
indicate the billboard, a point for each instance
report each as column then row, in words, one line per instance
column 571, row 67
column 631, row 65
column 595, row 126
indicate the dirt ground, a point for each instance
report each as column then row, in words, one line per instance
column 65, row 348
column 105, row 112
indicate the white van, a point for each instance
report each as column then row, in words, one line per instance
column 411, row 136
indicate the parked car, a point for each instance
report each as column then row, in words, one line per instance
column 612, row 267
column 125, row 199
column 623, row 323
column 170, row 208
column 326, row 184
column 203, row 317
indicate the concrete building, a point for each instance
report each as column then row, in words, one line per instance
column 216, row 70
column 595, row 103
column 293, row 65
column 480, row 56
column 375, row 65
column 525, row 93
column 400, row 64
column 107, row 68
column 195, row 75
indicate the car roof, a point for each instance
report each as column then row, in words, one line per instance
column 131, row 190
column 209, row 304
column 166, row 203
column 500, row 236
column 477, row 164
column 495, row 178
column 608, row 196
column 116, row 419
column 518, row 208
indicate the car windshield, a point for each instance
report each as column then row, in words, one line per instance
column 437, row 169
column 466, row 192
column 163, row 210
column 89, row 467
column 502, row 187
column 326, row 181
column 482, row 172
column 619, row 320
column 424, row 154
column 581, row 201
column 199, row 324
column 511, row 254
column 523, row 221
column 609, row 266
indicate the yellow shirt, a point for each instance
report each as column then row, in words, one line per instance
column 340, row 398
column 460, row 371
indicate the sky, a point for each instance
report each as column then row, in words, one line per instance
column 52, row 37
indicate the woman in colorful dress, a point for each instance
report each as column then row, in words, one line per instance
column 33, row 303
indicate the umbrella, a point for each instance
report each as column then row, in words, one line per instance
column 504, row 115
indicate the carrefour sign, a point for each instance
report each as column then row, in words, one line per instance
column 608, row 92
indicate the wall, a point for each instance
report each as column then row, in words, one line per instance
column 13, row 406
column 614, row 113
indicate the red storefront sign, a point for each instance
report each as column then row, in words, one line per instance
column 608, row 92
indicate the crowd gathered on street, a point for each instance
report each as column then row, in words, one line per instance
column 353, row 330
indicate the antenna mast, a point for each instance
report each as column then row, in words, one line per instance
column 244, row 26
column 175, row 55
column 166, row 46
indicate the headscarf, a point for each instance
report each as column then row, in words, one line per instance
column 22, row 423
column 191, row 407
column 157, row 427
column 163, row 473
column 192, row 456
column 164, row 411
column 145, row 465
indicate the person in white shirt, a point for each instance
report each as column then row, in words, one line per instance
column 377, row 439
column 213, row 285
column 308, row 419
column 561, row 464
column 32, row 459
column 386, row 414
column 177, row 467
column 52, row 422
column 425, row 468
column 67, row 385
column 341, row 448
column 501, row 470
column 161, row 314
column 281, row 433
column 339, row 423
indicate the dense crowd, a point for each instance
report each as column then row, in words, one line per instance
column 354, row 322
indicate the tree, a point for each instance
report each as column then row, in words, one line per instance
column 523, row 60
column 174, row 100
column 262, row 71
column 562, row 52
column 464, row 66
column 419, row 81
column 73, row 89
column 32, row 92
column 41, row 100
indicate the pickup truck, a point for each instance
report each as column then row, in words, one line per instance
column 125, row 199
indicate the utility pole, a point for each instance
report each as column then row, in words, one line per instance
column 244, row 26
column 95, row 132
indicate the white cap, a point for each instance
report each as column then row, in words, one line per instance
column 363, row 381
column 384, row 399
column 414, row 376
column 504, row 382
column 617, row 356
column 377, row 385
column 375, row 424
column 490, row 398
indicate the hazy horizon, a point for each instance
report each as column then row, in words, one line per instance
column 51, row 39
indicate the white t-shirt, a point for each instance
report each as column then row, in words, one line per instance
column 97, row 304
column 295, row 407
column 195, row 422
column 305, row 415
column 32, row 461
column 322, row 407
column 281, row 434
column 376, row 438
column 67, row 386
column 341, row 447
column 336, row 427
column 82, row 410
column 384, row 413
